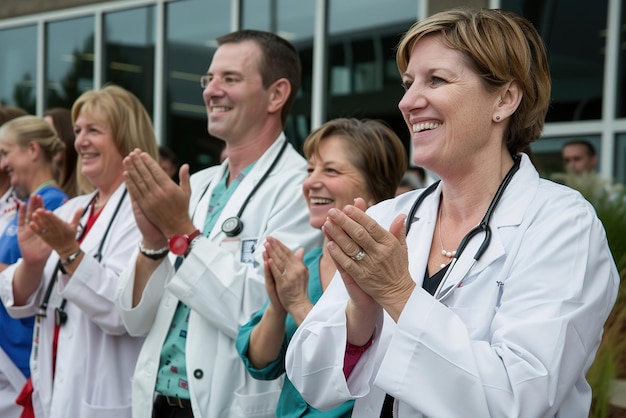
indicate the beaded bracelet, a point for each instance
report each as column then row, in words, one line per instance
column 153, row 254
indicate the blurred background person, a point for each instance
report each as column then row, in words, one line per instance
column 169, row 162
column 82, row 359
column 347, row 158
column 579, row 157
column 11, row 377
column 61, row 120
column 8, row 204
column 28, row 146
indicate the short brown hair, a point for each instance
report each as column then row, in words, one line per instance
column 374, row 148
column 8, row 113
column 503, row 47
column 279, row 59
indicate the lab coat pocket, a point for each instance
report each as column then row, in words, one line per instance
column 93, row 411
column 257, row 405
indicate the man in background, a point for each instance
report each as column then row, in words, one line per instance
column 579, row 157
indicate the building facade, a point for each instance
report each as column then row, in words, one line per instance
column 52, row 51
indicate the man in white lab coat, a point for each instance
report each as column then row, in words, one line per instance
column 215, row 225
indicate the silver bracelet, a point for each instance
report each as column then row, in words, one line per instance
column 154, row 254
column 71, row 258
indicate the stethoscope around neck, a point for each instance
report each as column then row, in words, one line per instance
column 444, row 290
column 234, row 225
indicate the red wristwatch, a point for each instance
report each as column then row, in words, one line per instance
column 179, row 243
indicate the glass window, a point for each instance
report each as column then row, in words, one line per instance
column 575, row 34
column 362, row 73
column 192, row 27
column 293, row 20
column 129, row 39
column 547, row 152
column 18, row 49
column 69, row 60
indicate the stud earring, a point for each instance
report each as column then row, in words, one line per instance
column 497, row 117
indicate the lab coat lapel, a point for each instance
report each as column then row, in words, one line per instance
column 423, row 225
column 508, row 214
column 245, row 187
column 92, row 240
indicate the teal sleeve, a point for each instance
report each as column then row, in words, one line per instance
column 274, row 369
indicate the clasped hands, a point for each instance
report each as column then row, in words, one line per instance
column 160, row 205
column 372, row 261
column 40, row 231
column 286, row 279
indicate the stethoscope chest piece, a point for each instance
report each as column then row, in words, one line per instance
column 232, row 226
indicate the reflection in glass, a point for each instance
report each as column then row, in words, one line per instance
column 363, row 77
column 192, row 27
column 547, row 152
column 620, row 158
column 575, row 35
column 69, row 60
column 621, row 69
column 294, row 21
column 129, row 39
column 18, row 49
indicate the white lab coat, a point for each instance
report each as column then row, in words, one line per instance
column 11, row 383
column 95, row 354
column 11, row 378
column 514, row 340
column 222, row 292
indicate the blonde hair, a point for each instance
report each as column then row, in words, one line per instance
column 26, row 129
column 128, row 119
column 373, row 148
column 503, row 47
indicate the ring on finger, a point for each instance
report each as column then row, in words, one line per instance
column 359, row 256
column 284, row 272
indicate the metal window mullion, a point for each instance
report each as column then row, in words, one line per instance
column 609, row 95
column 236, row 14
column 98, row 48
column 159, row 74
column 320, row 61
column 40, row 76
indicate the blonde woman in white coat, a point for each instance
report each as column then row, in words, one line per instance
column 509, row 335
column 88, row 240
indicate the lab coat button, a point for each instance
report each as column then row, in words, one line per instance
column 198, row 373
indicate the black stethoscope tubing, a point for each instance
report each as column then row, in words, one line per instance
column 60, row 315
column 233, row 226
column 483, row 226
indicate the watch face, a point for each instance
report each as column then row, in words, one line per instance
column 178, row 244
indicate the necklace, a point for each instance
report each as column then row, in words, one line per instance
column 444, row 252
column 97, row 204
